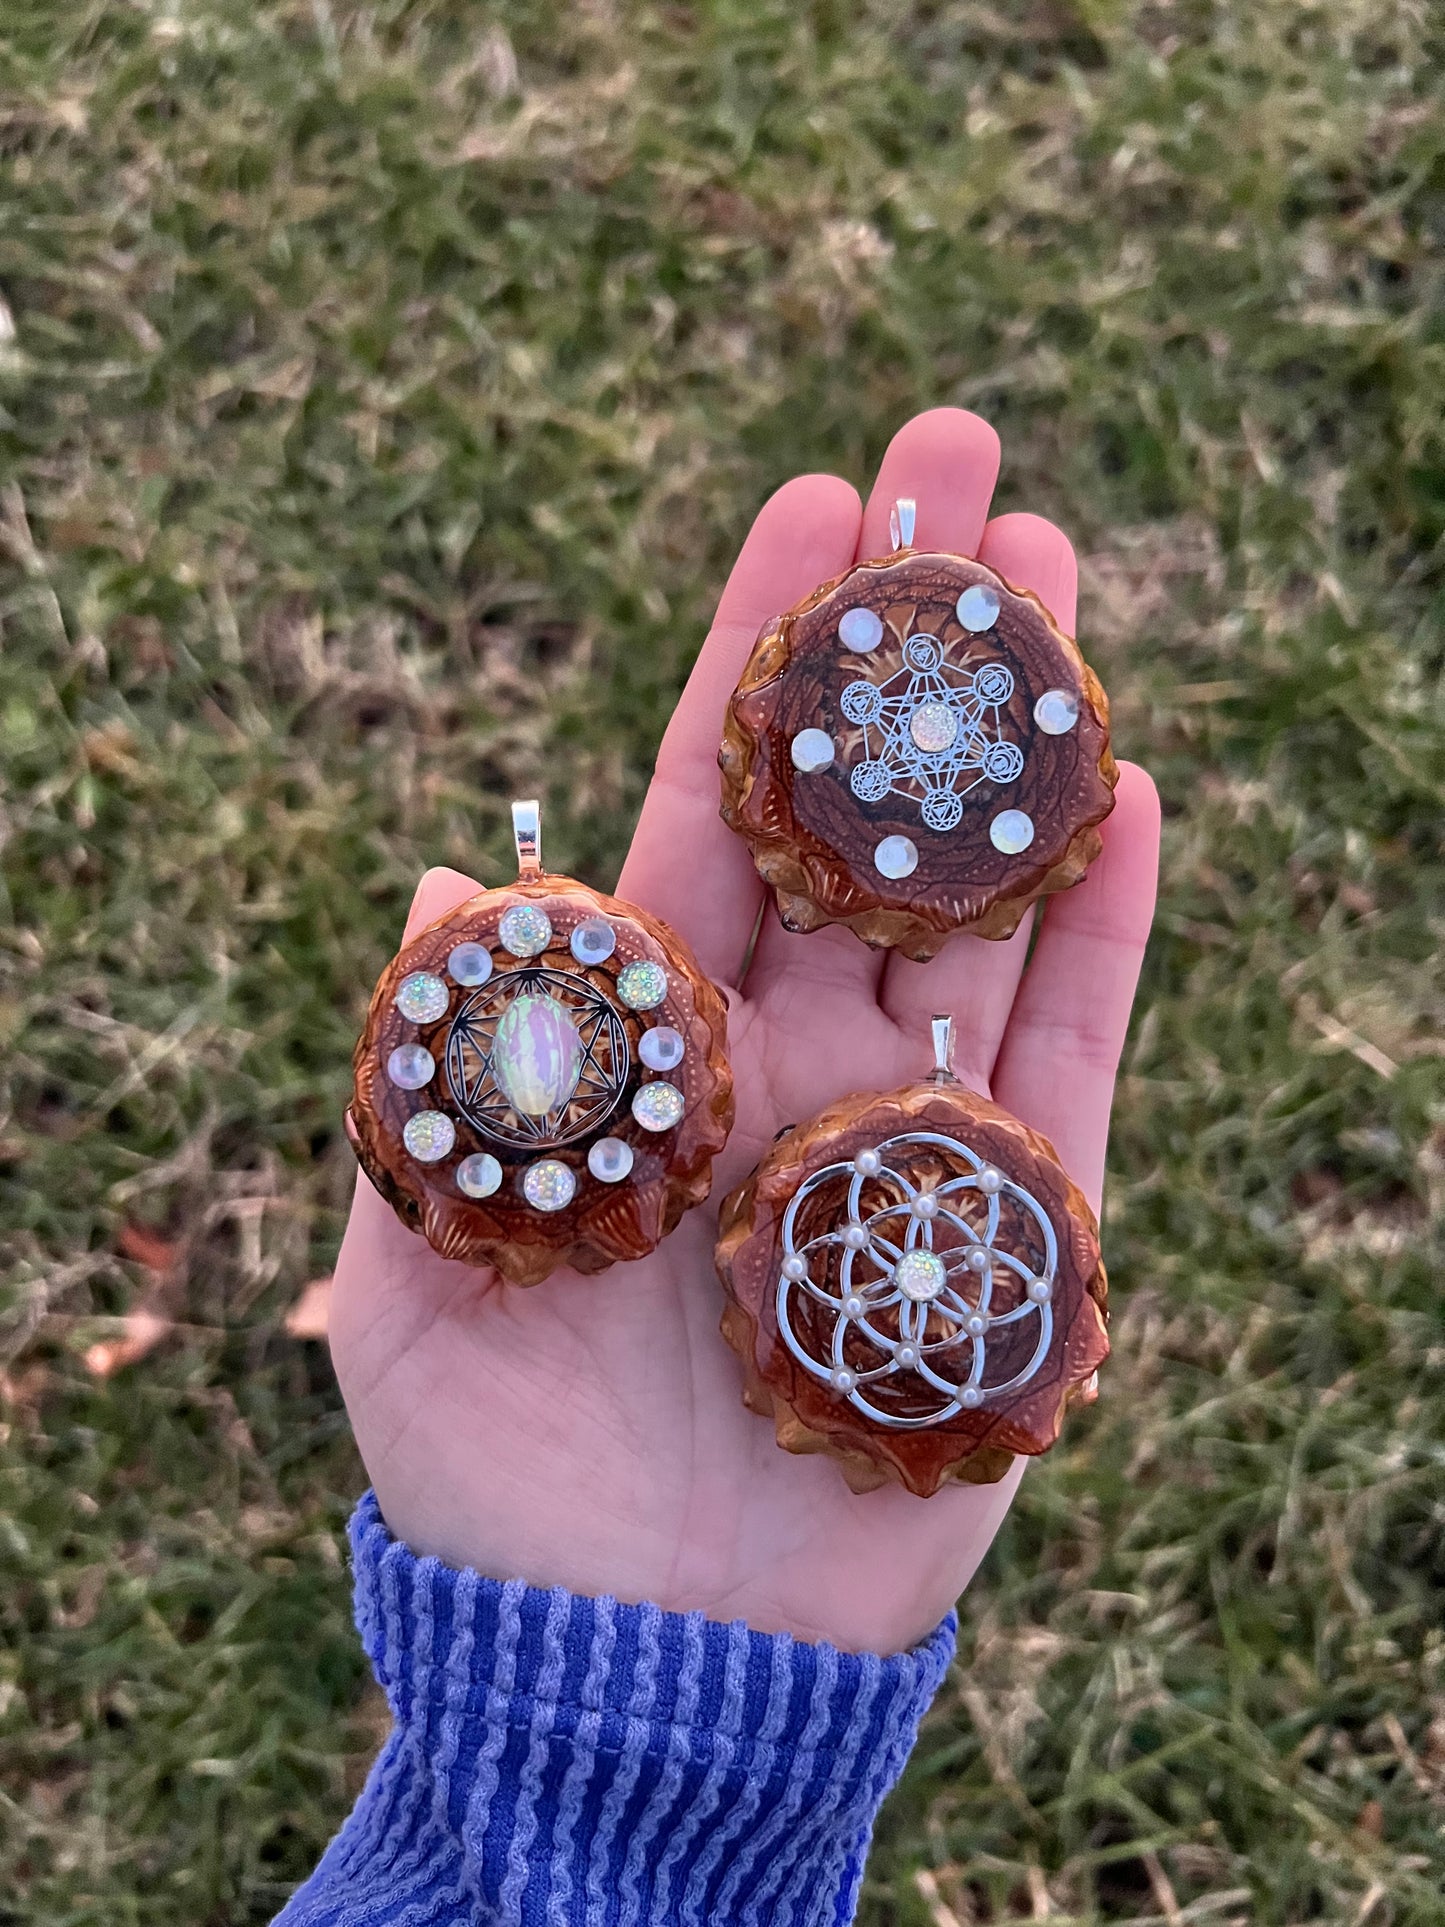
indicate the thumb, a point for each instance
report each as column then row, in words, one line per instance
column 438, row 892
column 382, row 1266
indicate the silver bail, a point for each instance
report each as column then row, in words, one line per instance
column 902, row 521
column 527, row 835
column 942, row 1028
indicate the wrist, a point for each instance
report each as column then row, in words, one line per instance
column 554, row 1753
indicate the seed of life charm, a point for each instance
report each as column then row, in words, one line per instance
column 914, row 1286
column 917, row 748
column 542, row 1079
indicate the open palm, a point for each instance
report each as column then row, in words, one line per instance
column 589, row 1432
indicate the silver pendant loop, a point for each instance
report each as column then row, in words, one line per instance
column 903, row 521
column 942, row 1028
column 527, row 835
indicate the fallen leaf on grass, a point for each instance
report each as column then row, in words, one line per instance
column 147, row 1247
column 310, row 1316
column 146, row 1324
column 141, row 1331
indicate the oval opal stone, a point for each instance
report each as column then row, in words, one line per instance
column 536, row 1055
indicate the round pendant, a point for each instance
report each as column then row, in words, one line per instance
column 917, row 748
column 914, row 1285
column 509, row 1099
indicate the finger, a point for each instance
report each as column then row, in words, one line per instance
column 685, row 865
column 947, row 462
column 971, row 978
column 804, row 973
column 440, row 890
column 1061, row 1050
column 1034, row 554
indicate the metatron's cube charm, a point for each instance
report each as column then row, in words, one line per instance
column 917, row 748
column 542, row 1079
column 914, row 1286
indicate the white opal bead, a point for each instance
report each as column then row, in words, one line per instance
column 861, row 630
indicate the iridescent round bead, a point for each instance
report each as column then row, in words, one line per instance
column 410, row 1066
column 549, row 1185
column 978, row 608
column 971, row 1397
column 429, row 1135
column 990, row 1180
column 662, row 1048
column 855, row 1237
column 525, row 930
column 610, row 1160
column 642, row 985
column 842, row 1380
column 867, row 1164
column 657, row 1107
column 975, row 1324
column 479, row 1175
column 469, row 965
column 795, row 1268
column 933, row 727
column 853, row 1307
column 861, row 630
column 422, row 997
column 907, row 1357
column 920, row 1276
column 1056, row 711
column 1011, row 831
column 1040, row 1290
column 594, row 941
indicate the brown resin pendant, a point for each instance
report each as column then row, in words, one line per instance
column 543, row 1078
column 917, row 748
column 914, row 1286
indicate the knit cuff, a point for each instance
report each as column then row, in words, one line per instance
column 565, row 1760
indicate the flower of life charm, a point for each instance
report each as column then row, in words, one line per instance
column 896, row 1306
column 932, row 732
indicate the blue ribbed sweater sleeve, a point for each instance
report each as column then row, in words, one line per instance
column 559, row 1761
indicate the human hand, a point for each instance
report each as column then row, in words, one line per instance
column 589, row 1432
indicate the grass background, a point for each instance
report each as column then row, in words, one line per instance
column 387, row 386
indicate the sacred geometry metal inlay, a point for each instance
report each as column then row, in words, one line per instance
column 917, row 1300
column 932, row 732
column 537, row 1057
